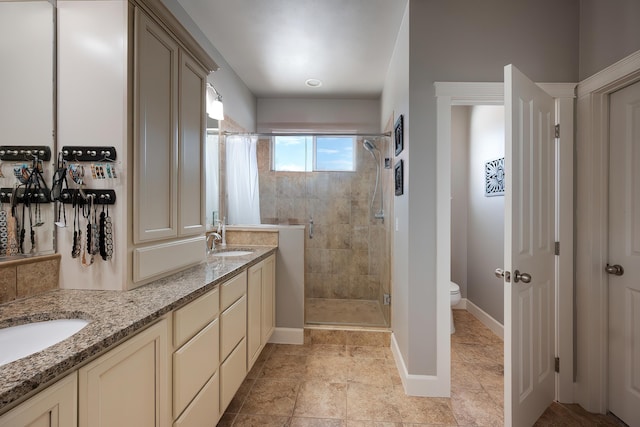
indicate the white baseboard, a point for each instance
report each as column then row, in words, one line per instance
column 287, row 336
column 419, row 385
column 488, row 321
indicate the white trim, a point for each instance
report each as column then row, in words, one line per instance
column 419, row 385
column 618, row 73
column 592, row 229
column 559, row 90
column 287, row 336
column 484, row 318
column 470, row 93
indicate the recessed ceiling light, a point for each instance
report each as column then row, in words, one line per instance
column 313, row 83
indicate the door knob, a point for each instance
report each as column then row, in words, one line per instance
column 615, row 269
column 500, row 273
column 524, row 277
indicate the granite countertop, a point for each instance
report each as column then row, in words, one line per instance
column 113, row 316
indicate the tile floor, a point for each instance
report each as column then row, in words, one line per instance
column 351, row 312
column 358, row 385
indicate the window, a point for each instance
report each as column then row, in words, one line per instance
column 313, row 153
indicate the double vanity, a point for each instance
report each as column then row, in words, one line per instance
column 171, row 353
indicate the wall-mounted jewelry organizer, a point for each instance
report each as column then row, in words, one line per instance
column 28, row 171
column 24, row 152
column 32, row 196
column 100, row 197
column 89, row 154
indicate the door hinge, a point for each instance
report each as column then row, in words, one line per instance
column 557, row 363
column 556, row 249
column 386, row 300
column 557, row 128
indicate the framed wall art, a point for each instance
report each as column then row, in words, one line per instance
column 398, row 133
column 399, row 178
column 494, row 177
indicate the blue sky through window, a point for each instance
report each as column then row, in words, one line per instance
column 334, row 154
column 296, row 153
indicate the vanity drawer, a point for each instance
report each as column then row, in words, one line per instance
column 191, row 318
column 232, row 374
column 233, row 326
column 204, row 410
column 232, row 290
column 193, row 364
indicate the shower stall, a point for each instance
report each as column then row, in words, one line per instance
column 347, row 215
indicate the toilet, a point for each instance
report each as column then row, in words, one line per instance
column 454, row 289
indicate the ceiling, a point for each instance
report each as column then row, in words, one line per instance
column 276, row 45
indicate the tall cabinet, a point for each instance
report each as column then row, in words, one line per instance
column 169, row 132
column 130, row 76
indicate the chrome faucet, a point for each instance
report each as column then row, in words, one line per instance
column 212, row 238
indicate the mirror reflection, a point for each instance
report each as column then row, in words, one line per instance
column 27, row 88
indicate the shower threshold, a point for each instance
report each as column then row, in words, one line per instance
column 344, row 312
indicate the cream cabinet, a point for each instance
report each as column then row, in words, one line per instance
column 169, row 104
column 56, row 406
column 128, row 385
column 196, row 335
column 261, row 307
column 156, row 138
column 204, row 410
column 169, row 131
column 233, row 330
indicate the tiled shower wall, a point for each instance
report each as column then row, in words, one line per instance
column 348, row 255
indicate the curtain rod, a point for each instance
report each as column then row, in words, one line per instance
column 269, row 134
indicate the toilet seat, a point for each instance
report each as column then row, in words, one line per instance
column 454, row 288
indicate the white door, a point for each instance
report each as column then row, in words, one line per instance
column 529, row 324
column 624, row 251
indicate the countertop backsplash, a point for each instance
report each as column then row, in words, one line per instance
column 26, row 277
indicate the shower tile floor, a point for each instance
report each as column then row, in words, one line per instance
column 357, row 386
column 347, row 312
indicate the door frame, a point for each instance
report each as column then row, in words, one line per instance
column 592, row 195
column 451, row 94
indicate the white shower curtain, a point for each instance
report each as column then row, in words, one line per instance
column 243, row 189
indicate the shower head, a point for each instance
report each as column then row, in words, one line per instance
column 369, row 146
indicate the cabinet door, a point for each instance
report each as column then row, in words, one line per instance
column 56, row 406
column 191, row 196
column 268, row 299
column 254, row 315
column 128, row 385
column 155, row 132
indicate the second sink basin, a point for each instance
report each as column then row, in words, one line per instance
column 232, row 253
column 20, row 341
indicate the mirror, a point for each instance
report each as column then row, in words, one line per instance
column 27, row 100
column 212, row 173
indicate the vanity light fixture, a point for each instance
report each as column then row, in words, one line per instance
column 313, row 82
column 215, row 108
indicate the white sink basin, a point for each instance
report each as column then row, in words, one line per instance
column 232, row 253
column 20, row 341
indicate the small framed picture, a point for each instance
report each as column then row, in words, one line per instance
column 494, row 177
column 399, row 178
column 398, row 133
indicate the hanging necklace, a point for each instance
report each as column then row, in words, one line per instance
column 77, row 232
